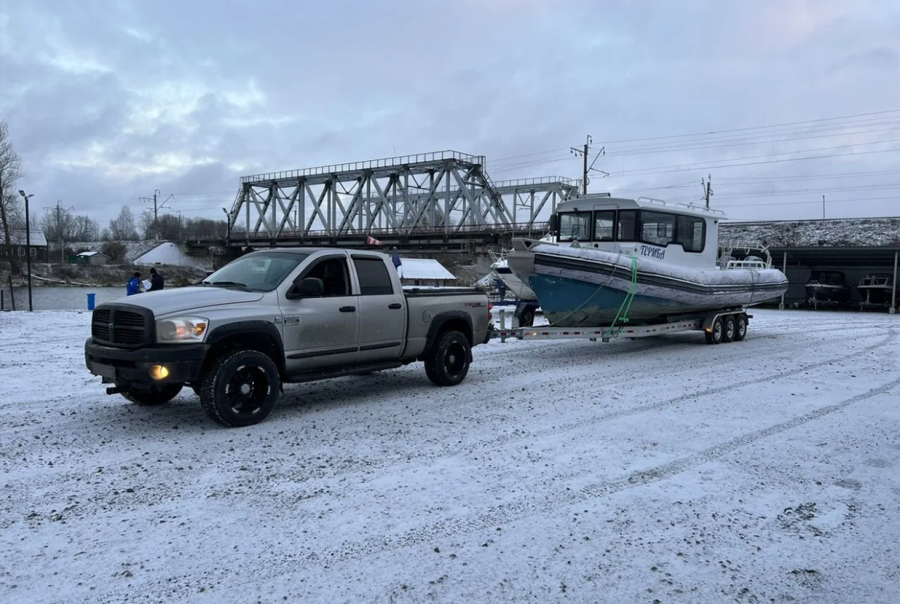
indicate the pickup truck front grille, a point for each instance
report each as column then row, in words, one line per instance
column 118, row 327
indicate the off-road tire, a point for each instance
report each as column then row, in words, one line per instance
column 223, row 393
column 447, row 363
column 159, row 395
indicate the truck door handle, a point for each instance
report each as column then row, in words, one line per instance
column 395, row 306
column 347, row 309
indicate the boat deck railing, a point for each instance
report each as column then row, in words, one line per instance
column 689, row 206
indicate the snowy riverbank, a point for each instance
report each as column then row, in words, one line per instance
column 659, row 470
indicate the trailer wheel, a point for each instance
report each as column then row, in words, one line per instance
column 716, row 331
column 729, row 329
column 740, row 327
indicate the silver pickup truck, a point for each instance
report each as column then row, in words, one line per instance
column 281, row 315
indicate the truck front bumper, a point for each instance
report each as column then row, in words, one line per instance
column 178, row 363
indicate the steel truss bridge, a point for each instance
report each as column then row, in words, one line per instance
column 445, row 195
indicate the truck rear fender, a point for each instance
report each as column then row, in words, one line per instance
column 248, row 335
column 452, row 320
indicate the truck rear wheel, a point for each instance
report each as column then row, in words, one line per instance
column 447, row 363
column 155, row 396
column 240, row 389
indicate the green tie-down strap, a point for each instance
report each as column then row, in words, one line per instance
column 622, row 315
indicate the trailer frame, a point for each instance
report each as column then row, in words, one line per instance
column 714, row 324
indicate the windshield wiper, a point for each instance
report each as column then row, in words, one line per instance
column 227, row 284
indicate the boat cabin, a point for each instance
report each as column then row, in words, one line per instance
column 679, row 234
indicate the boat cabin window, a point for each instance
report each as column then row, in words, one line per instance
column 575, row 226
column 626, row 225
column 604, row 223
column 691, row 233
column 657, row 228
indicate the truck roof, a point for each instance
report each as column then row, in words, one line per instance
column 312, row 250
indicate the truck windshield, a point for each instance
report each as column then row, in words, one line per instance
column 261, row 272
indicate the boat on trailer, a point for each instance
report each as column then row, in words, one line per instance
column 644, row 261
column 827, row 288
column 876, row 291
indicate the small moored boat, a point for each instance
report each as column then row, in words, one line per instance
column 827, row 288
column 876, row 290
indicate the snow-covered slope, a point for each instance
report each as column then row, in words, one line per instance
column 170, row 254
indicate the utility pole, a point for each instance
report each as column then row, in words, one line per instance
column 59, row 231
column 707, row 188
column 823, row 207
column 227, row 231
column 156, row 209
column 585, row 152
column 27, row 245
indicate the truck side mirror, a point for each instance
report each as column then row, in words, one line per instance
column 311, row 287
column 553, row 223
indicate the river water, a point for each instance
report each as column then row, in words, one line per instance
column 60, row 298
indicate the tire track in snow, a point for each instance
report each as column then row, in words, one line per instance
column 267, row 568
column 519, row 435
column 528, row 507
column 259, row 484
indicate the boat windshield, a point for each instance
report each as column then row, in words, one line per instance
column 261, row 272
column 643, row 226
column 575, row 226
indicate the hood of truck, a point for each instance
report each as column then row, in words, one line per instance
column 194, row 298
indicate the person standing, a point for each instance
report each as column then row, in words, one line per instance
column 156, row 281
column 134, row 285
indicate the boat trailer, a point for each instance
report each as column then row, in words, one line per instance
column 720, row 326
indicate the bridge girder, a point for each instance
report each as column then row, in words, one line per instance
column 443, row 191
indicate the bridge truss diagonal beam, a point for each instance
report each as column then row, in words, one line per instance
column 445, row 191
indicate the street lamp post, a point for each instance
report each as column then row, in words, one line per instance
column 27, row 246
column 227, row 231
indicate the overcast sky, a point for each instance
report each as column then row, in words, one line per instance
column 109, row 100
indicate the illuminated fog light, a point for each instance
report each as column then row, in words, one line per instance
column 159, row 372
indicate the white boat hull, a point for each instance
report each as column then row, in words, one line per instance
column 584, row 286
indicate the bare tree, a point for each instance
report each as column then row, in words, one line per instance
column 122, row 227
column 86, row 229
column 115, row 251
column 10, row 173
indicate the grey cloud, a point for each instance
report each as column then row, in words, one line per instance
column 351, row 80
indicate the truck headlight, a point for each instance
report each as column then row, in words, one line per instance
column 181, row 329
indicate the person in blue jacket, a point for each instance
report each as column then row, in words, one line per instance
column 134, row 284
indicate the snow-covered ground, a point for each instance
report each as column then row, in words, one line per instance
column 641, row 471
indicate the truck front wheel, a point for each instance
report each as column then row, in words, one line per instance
column 156, row 396
column 240, row 388
column 447, row 363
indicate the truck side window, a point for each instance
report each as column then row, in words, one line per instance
column 333, row 273
column 374, row 279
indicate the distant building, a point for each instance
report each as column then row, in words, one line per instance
column 424, row 272
column 92, row 258
column 18, row 239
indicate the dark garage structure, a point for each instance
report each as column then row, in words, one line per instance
column 857, row 247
